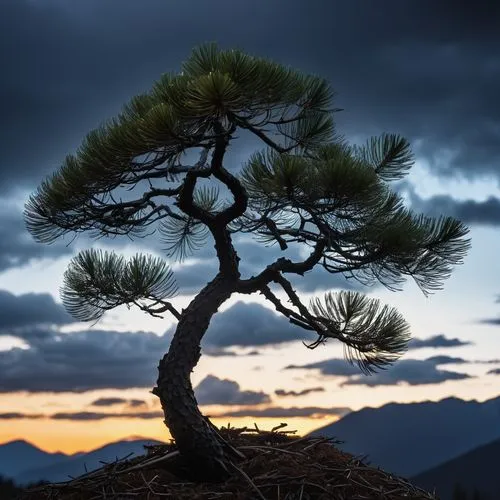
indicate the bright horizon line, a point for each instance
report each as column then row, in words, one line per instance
column 302, row 426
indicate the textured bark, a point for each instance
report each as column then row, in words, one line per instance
column 195, row 436
column 198, row 444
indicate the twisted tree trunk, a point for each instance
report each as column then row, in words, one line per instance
column 194, row 435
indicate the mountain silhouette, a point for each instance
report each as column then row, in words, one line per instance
column 410, row 438
column 33, row 464
column 20, row 455
column 477, row 469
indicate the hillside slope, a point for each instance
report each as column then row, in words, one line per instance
column 479, row 468
column 20, row 455
column 77, row 465
column 435, row 432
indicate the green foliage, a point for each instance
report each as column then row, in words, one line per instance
column 307, row 186
column 373, row 336
column 185, row 235
column 390, row 156
column 178, row 114
column 250, row 85
column 330, row 179
column 96, row 281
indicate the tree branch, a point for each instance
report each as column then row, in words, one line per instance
column 234, row 185
column 185, row 199
column 289, row 313
column 273, row 229
column 167, row 306
column 255, row 283
column 305, row 319
column 244, row 124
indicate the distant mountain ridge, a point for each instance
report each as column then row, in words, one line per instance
column 405, row 439
column 408, row 439
column 56, row 467
column 19, row 455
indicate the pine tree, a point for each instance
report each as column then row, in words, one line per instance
column 308, row 186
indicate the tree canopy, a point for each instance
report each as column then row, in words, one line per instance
column 307, row 186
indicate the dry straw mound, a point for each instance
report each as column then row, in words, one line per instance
column 277, row 465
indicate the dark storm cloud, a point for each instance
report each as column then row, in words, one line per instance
column 193, row 276
column 252, row 325
column 255, row 257
column 83, row 361
column 75, row 67
column 108, row 402
column 490, row 321
column 88, row 360
column 18, row 416
column 435, row 342
column 273, row 412
column 411, row 371
column 279, row 412
column 248, row 325
column 24, row 315
column 446, row 360
column 135, row 403
column 66, row 69
column 118, row 401
column 217, row 352
column 495, row 371
column 470, row 212
column 88, row 415
column 334, row 366
column 215, row 391
column 17, row 247
column 303, row 392
column 82, row 415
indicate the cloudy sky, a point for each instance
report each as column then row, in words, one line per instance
column 427, row 70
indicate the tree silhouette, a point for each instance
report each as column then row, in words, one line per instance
column 308, row 187
column 9, row 490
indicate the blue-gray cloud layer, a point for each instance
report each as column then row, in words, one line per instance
column 133, row 403
column 433, row 81
column 273, row 412
column 436, row 341
column 23, row 315
column 191, row 277
column 75, row 67
column 303, row 392
column 409, row 371
column 215, row 391
column 17, row 247
column 252, row 324
column 280, row 412
column 89, row 415
column 100, row 359
column 83, row 361
column 470, row 212
column 490, row 321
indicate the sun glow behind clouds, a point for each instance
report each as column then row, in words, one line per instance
column 426, row 184
column 9, row 342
